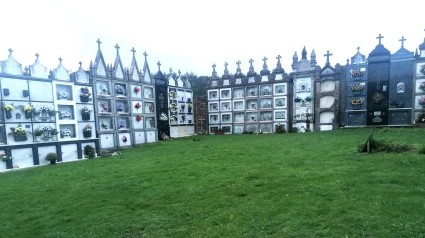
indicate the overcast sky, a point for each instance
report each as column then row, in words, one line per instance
column 191, row 35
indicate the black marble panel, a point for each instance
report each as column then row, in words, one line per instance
column 400, row 117
column 356, row 119
column 401, row 84
column 378, row 93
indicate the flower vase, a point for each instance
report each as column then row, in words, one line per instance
column 54, row 137
column 86, row 134
column 84, row 99
column 8, row 114
column 85, row 117
column 28, row 115
column 37, row 138
column 20, row 137
column 9, row 164
column 189, row 110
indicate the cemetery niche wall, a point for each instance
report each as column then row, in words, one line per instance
column 40, row 113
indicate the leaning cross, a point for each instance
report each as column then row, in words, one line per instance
column 10, row 51
column 134, row 51
column 402, row 41
column 117, row 47
column 327, row 57
column 379, row 37
column 98, row 43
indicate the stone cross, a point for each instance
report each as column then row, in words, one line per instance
column 179, row 72
column 60, row 60
column 98, row 43
column 80, row 64
column 348, row 61
column 214, row 67
column 251, row 61
column 134, row 51
column 379, row 37
column 265, row 59
column 238, row 63
column 117, row 47
column 145, row 54
column 37, row 55
column 327, row 57
column 358, row 48
column 278, row 57
column 171, row 70
column 402, row 41
column 159, row 66
column 10, row 51
column 225, row 64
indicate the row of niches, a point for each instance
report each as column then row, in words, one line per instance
column 24, row 133
column 105, row 106
column 180, row 96
column 176, row 119
column 248, row 104
column 247, row 117
column 122, row 90
column 181, row 107
column 248, row 128
column 15, row 111
column 126, row 123
column 248, row 91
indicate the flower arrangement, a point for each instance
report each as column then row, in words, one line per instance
column 85, row 111
column 104, row 89
column 104, row 125
column 308, row 98
column 356, row 73
column 252, row 93
column 122, row 123
column 184, row 106
column 173, row 118
column 89, row 151
column 422, row 86
column 138, row 118
column 137, row 106
column 297, row 99
column 119, row 89
column 356, row 87
column 163, row 117
column 28, row 108
column 151, row 108
column 63, row 95
column 87, row 128
column 66, row 132
column 43, row 108
column 9, row 107
column 173, row 106
column 5, row 157
column 136, row 89
column 422, row 70
column 105, row 106
column 65, row 114
column 189, row 106
column 124, row 138
column 356, row 102
column 85, row 92
column 421, row 101
column 420, row 118
column 120, row 107
column 172, row 94
column 17, row 131
column 377, row 97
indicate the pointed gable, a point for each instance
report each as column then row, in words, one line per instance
column 11, row 66
column 146, row 71
column 60, row 73
column 38, row 70
column 118, row 69
column 81, row 76
column 99, row 62
column 134, row 69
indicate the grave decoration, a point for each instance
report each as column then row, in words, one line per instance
column 89, row 151
column 5, row 157
column 163, row 117
column 85, row 114
column 297, row 99
column 66, row 133
column 62, row 95
column 104, row 106
column 421, row 101
column 122, row 124
column 356, row 73
column 87, row 131
column 138, row 118
column 54, row 132
column 137, row 106
column 65, row 115
column 422, row 86
column 422, row 70
column 28, row 111
column 85, row 94
column 52, row 158
column 19, row 133
column 173, row 107
column 136, row 89
column 189, row 108
column 173, row 94
column 420, row 118
column 356, row 103
column 119, row 90
column 9, row 108
column 124, row 139
column 308, row 99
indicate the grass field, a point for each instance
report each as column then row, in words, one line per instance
column 286, row 185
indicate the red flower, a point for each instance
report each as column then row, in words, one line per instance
column 136, row 89
column 137, row 105
column 138, row 118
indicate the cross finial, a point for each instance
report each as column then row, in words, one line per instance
column 159, row 66
column 358, row 48
column 179, row 72
column 10, row 51
column 214, row 66
column 117, row 47
column 225, row 64
column 402, row 41
column 379, row 37
column 264, row 59
column 134, row 51
column 348, row 61
column 98, row 43
column 171, row 70
column 60, row 60
column 327, row 57
column 238, row 63
column 278, row 57
column 80, row 64
column 251, row 61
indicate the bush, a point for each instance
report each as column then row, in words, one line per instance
column 294, row 130
column 280, row 129
column 89, row 151
column 422, row 150
column 247, row 132
column 386, row 146
column 51, row 157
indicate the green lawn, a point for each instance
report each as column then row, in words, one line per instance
column 287, row 185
